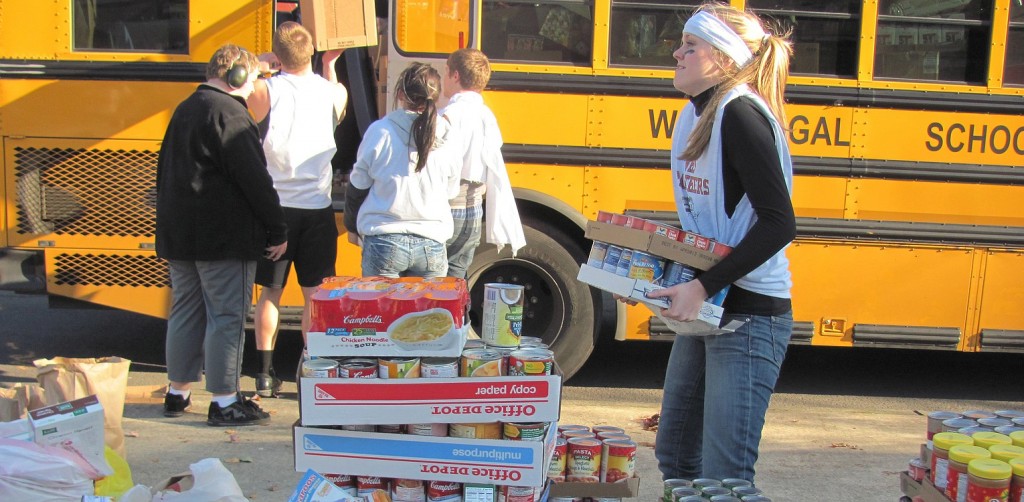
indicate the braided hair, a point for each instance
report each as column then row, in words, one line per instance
column 418, row 88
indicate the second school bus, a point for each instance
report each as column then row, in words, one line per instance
column 906, row 122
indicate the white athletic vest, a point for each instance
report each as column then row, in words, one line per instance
column 700, row 194
column 300, row 141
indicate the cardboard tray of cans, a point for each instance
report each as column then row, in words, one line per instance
column 460, row 460
column 921, row 490
column 694, row 250
column 628, row 488
column 366, row 401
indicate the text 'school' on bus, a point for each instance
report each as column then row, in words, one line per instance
column 906, row 122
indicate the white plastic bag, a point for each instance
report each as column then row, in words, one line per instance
column 208, row 481
column 33, row 473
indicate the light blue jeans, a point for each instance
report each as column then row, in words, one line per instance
column 462, row 246
column 403, row 255
column 717, row 390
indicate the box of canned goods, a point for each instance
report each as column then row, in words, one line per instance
column 626, row 488
column 378, row 316
column 460, row 460
column 687, row 248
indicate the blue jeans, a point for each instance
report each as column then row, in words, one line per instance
column 462, row 245
column 717, row 390
column 403, row 255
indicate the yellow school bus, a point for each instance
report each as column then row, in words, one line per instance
column 906, row 122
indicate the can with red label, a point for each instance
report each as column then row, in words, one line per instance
column 556, row 469
column 320, row 368
column 618, row 460
column 366, row 485
column 444, row 491
column 530, row 362
column 598, row 429
column 344, row 481
column 583, row 463
column 604, row 216
column 357, row 368
column 562, row 428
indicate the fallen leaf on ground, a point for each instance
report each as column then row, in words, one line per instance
column 845, row 445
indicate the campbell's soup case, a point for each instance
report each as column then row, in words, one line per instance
column 374, row 303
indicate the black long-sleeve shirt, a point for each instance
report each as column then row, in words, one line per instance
column 751, row 167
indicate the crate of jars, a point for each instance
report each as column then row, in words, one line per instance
column 975, row 455
column 379, row 316
column 484, row 384
column 521, row 460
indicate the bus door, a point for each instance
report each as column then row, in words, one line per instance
column 427, row 31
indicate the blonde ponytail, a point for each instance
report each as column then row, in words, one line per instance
column 766, row 73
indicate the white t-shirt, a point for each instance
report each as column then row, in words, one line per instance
column 300, row 141
column 402, row 201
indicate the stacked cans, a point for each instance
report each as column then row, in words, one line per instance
column 598, row 454
column 704, row 489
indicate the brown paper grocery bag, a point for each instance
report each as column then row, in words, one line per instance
column 16, row 401
column 65, row 379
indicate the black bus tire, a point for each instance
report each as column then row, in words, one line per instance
column 560, row 310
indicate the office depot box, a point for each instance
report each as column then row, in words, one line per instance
column 73, row 425
column 629, row 488
column 690, row 249
column 339, row 24
column 707, row 323
column 493, row 461
column 354, row 401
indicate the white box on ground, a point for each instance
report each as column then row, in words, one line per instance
column 707, row 323
column 76, row 426
column 350, row 401
column 494, row 461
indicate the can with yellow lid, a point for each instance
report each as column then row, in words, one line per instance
column 988, row 480
column 941, row 443
column 1017, row 481
column 956, row 477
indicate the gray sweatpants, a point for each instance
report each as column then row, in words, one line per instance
column 206, row 327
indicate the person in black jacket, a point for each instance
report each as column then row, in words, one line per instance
column 216, row 213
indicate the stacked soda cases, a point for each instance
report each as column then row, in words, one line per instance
column 395, row 397
column 643, row 265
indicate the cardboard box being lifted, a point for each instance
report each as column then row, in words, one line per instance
column 340, row 24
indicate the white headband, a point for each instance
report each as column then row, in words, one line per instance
column 715, row 32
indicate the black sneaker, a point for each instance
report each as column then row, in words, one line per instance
column 268, row 385
column 238, row 413
column 175, row 405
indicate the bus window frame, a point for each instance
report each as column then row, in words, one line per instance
column 471, row 40
column 591, row 5
column 652, row 5
column 87, row 51
column 856, row 17
column 1011, row 27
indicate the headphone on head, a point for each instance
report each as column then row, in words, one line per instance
column 237, row 75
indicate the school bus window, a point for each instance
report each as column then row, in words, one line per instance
column 131, row 25
column 1013, row 72
column 825, row 34
column 558, row 32
column 646, row 33
column 946, row 40
column 431, row 26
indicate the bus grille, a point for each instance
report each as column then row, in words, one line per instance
column 86, row 192
column 111, row 270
